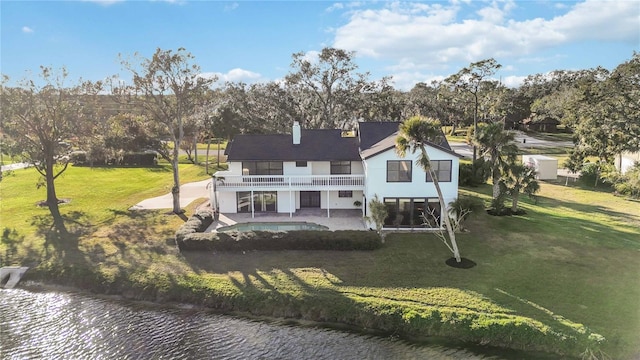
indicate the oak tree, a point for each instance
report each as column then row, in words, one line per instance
column 42, row 119
column 167, row 88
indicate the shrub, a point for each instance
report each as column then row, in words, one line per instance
column 78, row 157
column 197, row 223
column 629, row 183
column 471, row 175
column 272, row 240
column 144, row 159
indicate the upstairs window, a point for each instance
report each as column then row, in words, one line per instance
column 442, row 168
column 301, row 164
column 340, row 167
column 262, row 168
column 399, row 171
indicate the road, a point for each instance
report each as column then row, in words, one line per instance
column 523, row 141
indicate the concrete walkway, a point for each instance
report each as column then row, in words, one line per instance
column 14, row 166
column 188, row 193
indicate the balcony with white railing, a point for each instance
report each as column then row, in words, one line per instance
column 225, row 182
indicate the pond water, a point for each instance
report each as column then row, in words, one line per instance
column 61, row 325
column 272, row 226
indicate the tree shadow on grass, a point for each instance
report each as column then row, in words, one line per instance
column 17, row 251
column 76, row 224
column 62, row 247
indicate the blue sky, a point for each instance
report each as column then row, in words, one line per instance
column 253, row 41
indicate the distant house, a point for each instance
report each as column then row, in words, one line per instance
column 626, row 160
column 333, row 169
column 546, row 124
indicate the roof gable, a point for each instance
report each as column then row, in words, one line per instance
column 378, row 137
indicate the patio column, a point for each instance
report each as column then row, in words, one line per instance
column 328, row 202
column 252, row 207
column 291, row 206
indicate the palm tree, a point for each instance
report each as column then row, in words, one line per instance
column 520, row 179
column 499, row 147
column 413, row 136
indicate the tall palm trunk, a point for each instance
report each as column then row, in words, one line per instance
column 514, row 202
column 444, row 213
column 495, row 174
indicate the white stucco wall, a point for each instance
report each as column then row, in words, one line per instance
column 286, row 202
column 336, row 202
column 320, row 167
column 235, row 168
column 376, row 177
column 227, row 202
column 290, row 168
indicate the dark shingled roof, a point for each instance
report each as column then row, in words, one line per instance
column 373, row 132
column 315, row 145
column 320, row 145
column 377, row 137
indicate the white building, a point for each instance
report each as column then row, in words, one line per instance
column 333, row 169
column 546, row 167
column 626, row 160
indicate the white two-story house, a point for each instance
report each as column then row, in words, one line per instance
column 333, row 169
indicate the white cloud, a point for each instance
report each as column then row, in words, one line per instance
column 407, row 80
column 513, row 81
column 235, row 75
column 231, row 6
column 601, row 20
column 346, row 5
column 335, row 6
column 428, row 36
column 27, row 30
column 311, row 56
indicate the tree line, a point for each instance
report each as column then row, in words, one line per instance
column 168, row 104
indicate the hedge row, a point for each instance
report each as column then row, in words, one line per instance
column 274, row 240
column 197, row 223
column 190, row 237
column 80, row 158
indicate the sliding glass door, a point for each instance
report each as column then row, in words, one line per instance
column 263, row 201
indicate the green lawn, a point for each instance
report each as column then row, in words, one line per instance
column 571, row 261
column 99, row 193
column 551, row 136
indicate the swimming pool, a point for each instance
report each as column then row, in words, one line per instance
column 272, row 226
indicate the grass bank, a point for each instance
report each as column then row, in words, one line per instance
column 568, row 268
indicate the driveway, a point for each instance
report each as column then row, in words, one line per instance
column 14, row 166
column 188, row 193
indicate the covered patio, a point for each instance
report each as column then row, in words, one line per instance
column 341, row 219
